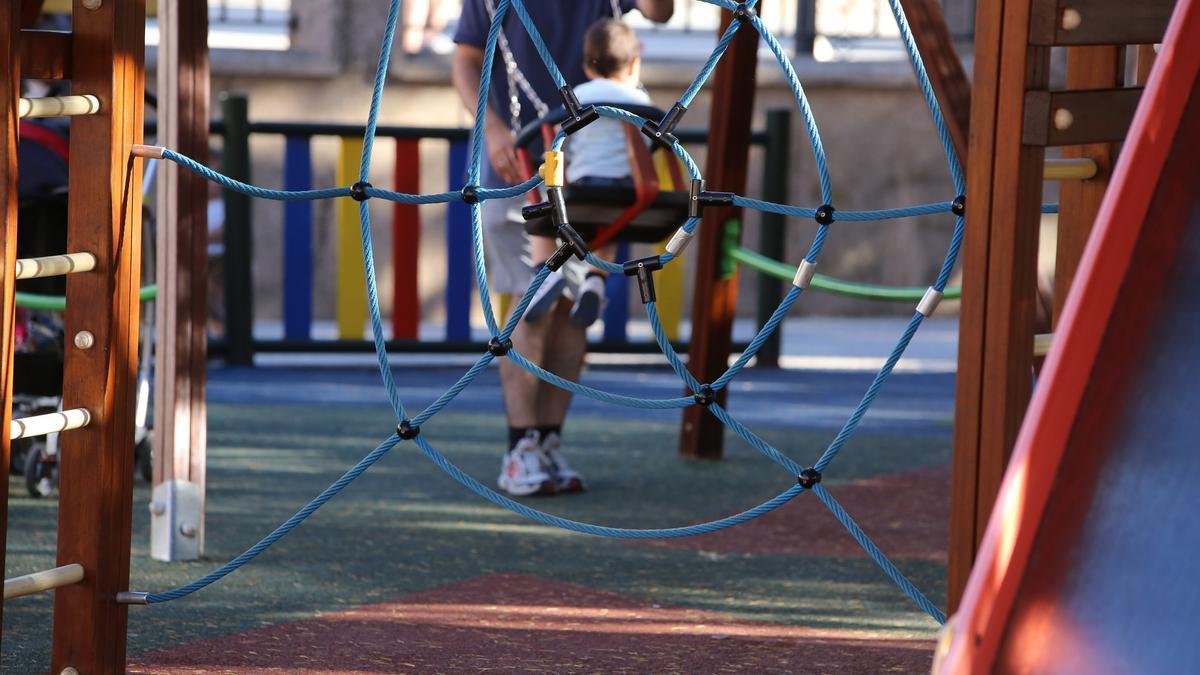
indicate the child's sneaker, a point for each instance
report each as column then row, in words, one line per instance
column 566, row 479
column 525, row 470
column 545, row 296
column 589, row 301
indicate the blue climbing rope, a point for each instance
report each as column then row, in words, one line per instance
column 704, row 393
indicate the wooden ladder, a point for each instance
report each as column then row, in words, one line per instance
column 102, row 57
column 1015, row 116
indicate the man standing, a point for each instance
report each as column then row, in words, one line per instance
column 521, row 92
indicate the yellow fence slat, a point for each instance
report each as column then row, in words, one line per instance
column 351, row 293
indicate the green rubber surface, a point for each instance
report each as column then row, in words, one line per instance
column 405, row 527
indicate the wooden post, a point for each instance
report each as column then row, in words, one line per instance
column 715, row 296
column 945, row 69
column 104, row 218
column 181, row 270
column 1100, row 67
column 1004, row 189
column 10, row 70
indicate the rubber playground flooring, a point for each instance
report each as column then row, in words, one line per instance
column 406, row 571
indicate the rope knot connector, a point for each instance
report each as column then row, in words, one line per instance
column 959, row 206
column 824, row 214
column 706, row 396
column 408, row 430
column 743, row 13
column 578, row 116
column 470, row 194
column 358, row 191
column 497, row 348
column 662, row 133
column 643, row 269
column 809, row 478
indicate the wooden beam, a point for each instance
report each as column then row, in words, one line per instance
column 996, row 320
column 1078, row 117
column 715, row 296
column 945, row 69
column 1145, row 62
column 1079, row 201
column 46, row 54
column 1098, row 22
column 30, row 11
column 10, row 71
column 104, row 217
column 181, row 268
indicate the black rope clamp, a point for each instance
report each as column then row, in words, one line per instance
column 572, row 245
column 698, row 198
column 498, row 348
column 643, row 269
column 558, row 206
column 536, row 211
column 959, row 206
column 578, row 116
column 358, row 191
column 470, row 194
column 743, row 13
column 706, row 396
column 662, row 133
column 809, row 478
column 824, row 214
column 408, row 430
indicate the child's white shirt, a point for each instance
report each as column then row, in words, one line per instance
column 598, row 150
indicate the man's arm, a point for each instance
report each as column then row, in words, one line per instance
column 465, row 72
column 657, row 10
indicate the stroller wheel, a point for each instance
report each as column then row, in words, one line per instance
column 17, row 454
column 142, row 459
column 41, row 473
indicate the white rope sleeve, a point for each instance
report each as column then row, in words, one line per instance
column 804, row 274
column 930, row 301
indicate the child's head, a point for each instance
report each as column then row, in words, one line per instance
column 611, row 51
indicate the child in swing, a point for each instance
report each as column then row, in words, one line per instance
column 596, row 155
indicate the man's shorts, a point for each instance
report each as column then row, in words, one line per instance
column 506, row 247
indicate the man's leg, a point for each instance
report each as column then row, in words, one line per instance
column 565, row 345
column 565, row 348
column 523, row 470
column 522, row 390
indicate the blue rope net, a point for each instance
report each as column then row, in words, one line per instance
column 804, row 479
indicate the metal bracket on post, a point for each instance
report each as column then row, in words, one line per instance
column 175, row 521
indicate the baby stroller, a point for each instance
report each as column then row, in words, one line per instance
column 38, row 358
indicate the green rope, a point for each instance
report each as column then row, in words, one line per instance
column 58, row 303
column 769, row 266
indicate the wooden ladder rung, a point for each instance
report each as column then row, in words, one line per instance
column 43, row 581
column 55, row 265
column 59, row 106
column 40, row 425
column 1078, row 117
column 1073, row 168
column 1042, row 343
column 1098, row 22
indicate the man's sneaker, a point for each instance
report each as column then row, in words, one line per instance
column 566, row 479
column 525, row 471
column 545, row 296
column 589, row 301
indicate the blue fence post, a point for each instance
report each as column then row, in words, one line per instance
column 459, row 267
column 616, row 314
column 297, row 241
